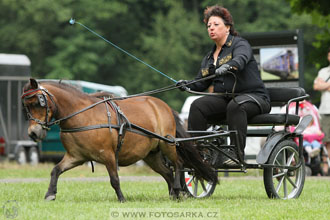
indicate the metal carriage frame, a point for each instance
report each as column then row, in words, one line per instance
column 280, row 157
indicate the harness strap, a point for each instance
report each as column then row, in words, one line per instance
column 78, row 112
column 121, row 135
column 92, row 166
column 87, row 128
column 29, row 93
column 108, row 114
column 134, row 128
column 123, row 124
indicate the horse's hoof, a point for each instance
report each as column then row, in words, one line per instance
column 122, row 200
column 175, row 197
column 50, row 198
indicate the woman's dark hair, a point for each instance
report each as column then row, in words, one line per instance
column 221, row 12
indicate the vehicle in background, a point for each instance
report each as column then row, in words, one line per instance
column 14, row 140
column 51, row 148
column 185, row 110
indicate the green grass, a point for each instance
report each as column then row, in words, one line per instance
column 43, row 170
column 13, row 170
column 234, row 198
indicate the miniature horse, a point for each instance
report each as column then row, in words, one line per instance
column 63, row 103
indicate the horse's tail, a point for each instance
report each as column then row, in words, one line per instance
column 190, row 156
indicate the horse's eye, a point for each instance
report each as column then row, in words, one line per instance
column 34, row 104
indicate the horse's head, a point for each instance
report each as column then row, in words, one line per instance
column 39, row 107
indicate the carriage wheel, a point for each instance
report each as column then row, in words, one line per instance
column 283, row 183
column 195, row 187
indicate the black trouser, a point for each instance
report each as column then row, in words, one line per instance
column 210, row 109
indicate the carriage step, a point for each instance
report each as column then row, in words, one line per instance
column 225, row 133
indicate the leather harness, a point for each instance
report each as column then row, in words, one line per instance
column 123, row 124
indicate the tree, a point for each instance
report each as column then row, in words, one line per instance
column 318, row 10
column 167, row 34
column 173, row 47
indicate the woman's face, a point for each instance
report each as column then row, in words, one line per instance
column 217, row 30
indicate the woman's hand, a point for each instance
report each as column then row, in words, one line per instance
column 182, row 85
column 223, row 69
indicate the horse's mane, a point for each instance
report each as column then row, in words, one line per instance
column 65, row 86
column 71, row 88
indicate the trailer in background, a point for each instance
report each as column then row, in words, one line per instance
column 14, row 140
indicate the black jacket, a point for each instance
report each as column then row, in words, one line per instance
column 236, row 52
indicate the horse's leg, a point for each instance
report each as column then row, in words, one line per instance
column 170, row 151
column 114, row 179
column 177, row 178
column 65, row 164
column 156, row 162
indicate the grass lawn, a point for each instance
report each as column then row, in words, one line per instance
column 234, row 198
column 13, row 170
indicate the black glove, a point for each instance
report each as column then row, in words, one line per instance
column 182, row 85
column 222, row 70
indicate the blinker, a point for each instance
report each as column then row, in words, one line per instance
column 41, row 99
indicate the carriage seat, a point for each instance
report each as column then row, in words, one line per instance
column 279, row 96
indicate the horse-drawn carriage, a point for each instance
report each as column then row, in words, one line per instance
column 280, row 157
column 121, row 131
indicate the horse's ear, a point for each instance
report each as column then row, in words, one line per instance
column 33, row 83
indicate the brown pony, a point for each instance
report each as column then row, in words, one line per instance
column 150, row 126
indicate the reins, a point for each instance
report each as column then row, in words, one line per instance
column 73, row 21
column 44, row 91
column 164, row 89
column 172, row 87
column 43, row 98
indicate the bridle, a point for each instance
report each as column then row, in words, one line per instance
column 43, row 102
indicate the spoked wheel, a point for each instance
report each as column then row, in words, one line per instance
column 284, row 183
column 195, row 187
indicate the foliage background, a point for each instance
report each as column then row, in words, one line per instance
column 167, row 34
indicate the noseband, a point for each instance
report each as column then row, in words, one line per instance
column 42, row 99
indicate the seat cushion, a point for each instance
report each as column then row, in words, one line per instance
column 265, row 120
column 274, row 119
